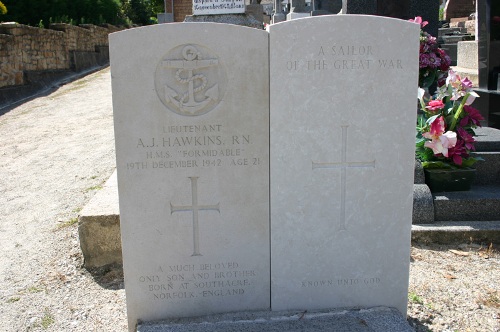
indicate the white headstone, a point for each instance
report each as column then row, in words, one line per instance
column 191, row 109
column 343, row 118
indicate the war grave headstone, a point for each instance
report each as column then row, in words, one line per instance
column 192, row 144
column 342, row 161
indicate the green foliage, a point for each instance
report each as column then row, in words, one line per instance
column 68, row 223
column 3, row 9
column 156, row 6
column 47, row 320
column 137, row 11
column 413, row 297
column 64, row 11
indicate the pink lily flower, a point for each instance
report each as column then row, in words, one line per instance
column 441, row 141
column 418, row 20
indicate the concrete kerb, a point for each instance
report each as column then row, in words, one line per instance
column 99, row 228
column 376, row 319
column 457, row 232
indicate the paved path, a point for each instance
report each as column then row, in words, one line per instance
column 55, row 152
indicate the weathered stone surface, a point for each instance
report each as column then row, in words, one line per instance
column 192, row 137
column 34, row 49
column 488, row 139
column 457, row 232
column 237, row 19
column 419, row 176
column 423, row 205
column 335, row 182
column 467, row 56
column 481, row 203
column 458, row 8
column 99, row 228
column 378, row 319
column 359, row 7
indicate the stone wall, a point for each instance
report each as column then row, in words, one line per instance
column 24, row 48
column 182, row 8
column 459, row 8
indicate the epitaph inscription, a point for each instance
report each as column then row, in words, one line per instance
column 195, row 208
column 189, row 80
column 345, row 57
column 344, row 164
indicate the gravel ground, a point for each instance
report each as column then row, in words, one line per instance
column 57, row 150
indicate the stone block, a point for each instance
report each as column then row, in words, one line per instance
column 423, row 205
column 379, row 319
column 482, row 203
column 99, row 228
column 419, row 176
column 19, row 78
column 459, row 9
column 488, row 171
column 467, row 54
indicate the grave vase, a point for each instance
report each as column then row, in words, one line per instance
column 439, row 179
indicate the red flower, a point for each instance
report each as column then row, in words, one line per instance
column 458, row 152
column 472, row 117
column 435, row 105
column 468, row 139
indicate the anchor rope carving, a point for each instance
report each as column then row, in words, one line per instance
column 186, row 80
column 201, row 95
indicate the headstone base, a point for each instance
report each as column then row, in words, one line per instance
column 255, row 10
column 373, row 319
column 237, row 19
column 278, row 17
column 293, row 16
column 165, row 17
column 320, row 12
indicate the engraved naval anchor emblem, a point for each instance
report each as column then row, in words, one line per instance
column 190, row 84
column 344, row 164
column 195, row 208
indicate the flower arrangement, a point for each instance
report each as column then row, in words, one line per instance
column 445, row 130
column 433, row 61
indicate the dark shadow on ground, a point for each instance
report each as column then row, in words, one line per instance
column 419, row 325
column 108, row 277
column 40, row 84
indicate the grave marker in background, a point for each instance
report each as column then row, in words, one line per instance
column 217, row 7
column 342, row 160
column 192, row 142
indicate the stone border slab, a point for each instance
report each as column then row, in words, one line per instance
column 99, row 227
column 380, row 319
column 457, row 232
